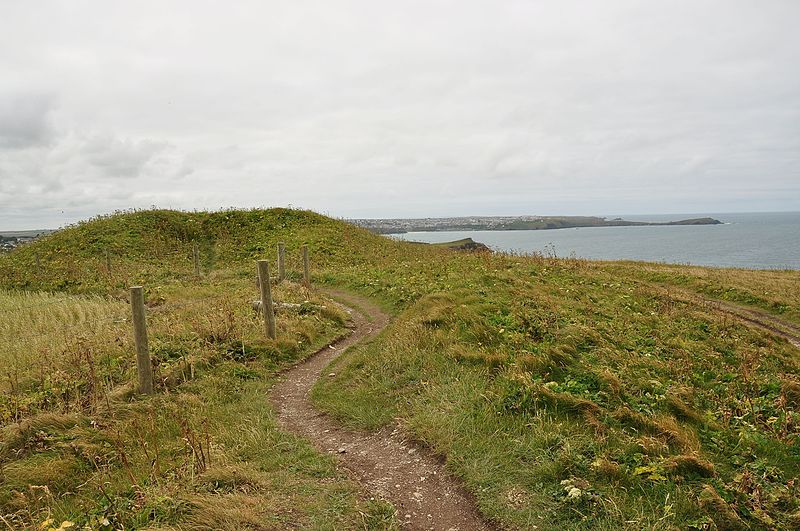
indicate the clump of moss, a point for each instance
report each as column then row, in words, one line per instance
column 689, row 465
column 29, row 433
column 476, row 357
column 663, row 426
column 607, row 469
column 231, row 478
column 790, row 393
column 718, row 509
column 683, row 411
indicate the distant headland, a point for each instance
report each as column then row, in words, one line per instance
column 400, row 226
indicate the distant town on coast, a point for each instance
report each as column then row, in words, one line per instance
column 11, row 239
column 481, row 223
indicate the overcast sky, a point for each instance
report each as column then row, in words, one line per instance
column 398, row 109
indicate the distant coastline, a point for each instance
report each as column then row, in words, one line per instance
column 12, row 239
column 750, row 240
column 491, row 223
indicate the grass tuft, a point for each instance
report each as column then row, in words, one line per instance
column 718, row 509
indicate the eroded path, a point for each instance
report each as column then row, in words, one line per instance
column 752, row 316
column 386, row 462
column 761, row 319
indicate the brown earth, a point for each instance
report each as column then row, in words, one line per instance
column 387, row 463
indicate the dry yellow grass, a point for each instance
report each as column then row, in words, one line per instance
column 40, row 330
column 775, row 291
column 69, row 424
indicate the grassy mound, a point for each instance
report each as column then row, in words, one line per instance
column 156, row 246
column 76, row 444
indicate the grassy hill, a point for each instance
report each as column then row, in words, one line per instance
column 565, row 393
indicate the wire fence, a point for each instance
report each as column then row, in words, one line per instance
column 70, row 358
column 65, row 345
column 88, row 324
column 40, row 304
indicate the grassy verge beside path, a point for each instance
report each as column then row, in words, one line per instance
column 204, row 453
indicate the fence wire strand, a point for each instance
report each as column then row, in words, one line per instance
column 157, row 312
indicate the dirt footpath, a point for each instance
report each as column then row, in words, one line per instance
column 386, row 462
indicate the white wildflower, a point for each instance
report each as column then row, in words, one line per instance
column 574, row 493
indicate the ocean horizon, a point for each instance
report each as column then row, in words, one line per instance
column 753, row 240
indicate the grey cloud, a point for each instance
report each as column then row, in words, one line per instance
column 25, row 120
column 363, row 108
column 120, row 158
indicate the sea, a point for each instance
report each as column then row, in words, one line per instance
column 744, row 240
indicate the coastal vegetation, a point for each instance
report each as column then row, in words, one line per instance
column 563, row 392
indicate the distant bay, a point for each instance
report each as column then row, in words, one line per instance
column 745, row 240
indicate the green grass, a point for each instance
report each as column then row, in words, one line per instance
column 774, row 291
column 133, row 467
column 565, row 393
column 526, row 373
column 45, row 337
column 205, row 452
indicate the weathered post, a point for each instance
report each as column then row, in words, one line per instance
column 38, row 262
column 281, row 261
column 266, row 298
column 196, row 258
column 306, row 274
column 143, row 364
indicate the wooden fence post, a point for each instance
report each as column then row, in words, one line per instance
column 143, row 364
column 266, row 298
column 281, row 261
column 306, row 274
column 38, row 262
column 196, row 257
